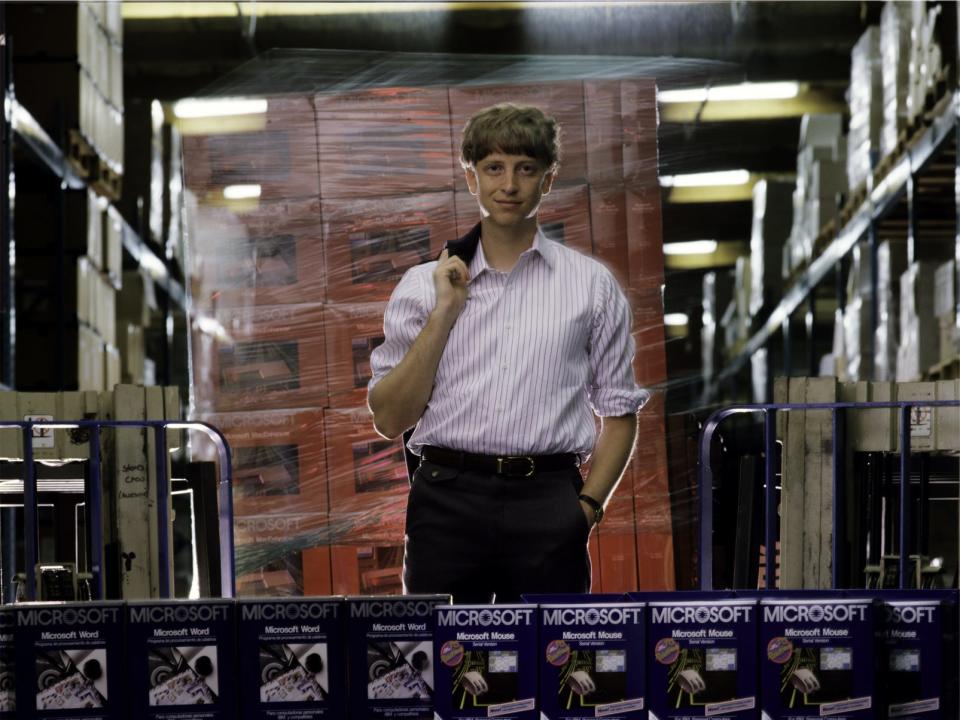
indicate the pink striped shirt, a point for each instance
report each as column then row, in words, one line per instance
column 534, row 354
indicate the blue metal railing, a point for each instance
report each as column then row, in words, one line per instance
column 769, row 412
column 95, row 488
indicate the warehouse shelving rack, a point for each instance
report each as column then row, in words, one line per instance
column 897, row 192
column 21, row 131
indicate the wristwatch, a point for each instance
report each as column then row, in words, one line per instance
column 597, row 508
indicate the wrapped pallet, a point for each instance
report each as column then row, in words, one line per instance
column 895, row 68
column 866, row 107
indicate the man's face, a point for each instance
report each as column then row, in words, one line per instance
column 509, row 187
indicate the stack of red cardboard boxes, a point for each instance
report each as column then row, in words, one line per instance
column 355, row 188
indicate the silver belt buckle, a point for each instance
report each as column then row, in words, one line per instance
column 502, row 461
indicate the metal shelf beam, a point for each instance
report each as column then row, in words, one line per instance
column 29, row 132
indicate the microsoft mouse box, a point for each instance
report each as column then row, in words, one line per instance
column 702, row 659
column 591, row 659
column 69, row 660
column 486, row 662
column 918, row 637
column 181, row 653
column 391, row 661
column 818, row 657
column 292, row 658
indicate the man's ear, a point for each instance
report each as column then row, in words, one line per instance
column 470, row 173
column 547, row 182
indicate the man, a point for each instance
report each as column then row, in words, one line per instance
column 500, row 353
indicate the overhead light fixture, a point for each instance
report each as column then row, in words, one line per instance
column 675, row 319
column 241, row 192
column 707, row 179
column 692, row 247
column 732, row 93
column 192, row 108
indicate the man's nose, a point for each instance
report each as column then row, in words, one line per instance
column 510, row 184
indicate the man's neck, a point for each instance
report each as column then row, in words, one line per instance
column 502, row 247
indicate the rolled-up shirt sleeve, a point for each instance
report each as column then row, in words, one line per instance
column 612, row 390
column 403, row 320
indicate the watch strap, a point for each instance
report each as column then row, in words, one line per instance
column 596, row 505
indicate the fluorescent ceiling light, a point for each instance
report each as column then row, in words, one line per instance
column 693, row 247
column 675, row 319
column 732, row 93
column 241, row 192
column 707, row 179
column 218, row 107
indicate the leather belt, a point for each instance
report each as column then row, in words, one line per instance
column 506, row 465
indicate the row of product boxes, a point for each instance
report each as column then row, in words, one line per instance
column 673, row 656
column 318, row 355
column 357, row 250
column 398, row 140
column 324, row 477
column 294, row 460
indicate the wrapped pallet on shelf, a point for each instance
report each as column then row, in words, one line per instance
column 919, row 327
column 71, row 81
column 307, row 218
column 866, row 107
column 821, row 179
column 895, row 69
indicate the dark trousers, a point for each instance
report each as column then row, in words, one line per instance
column 485, row 538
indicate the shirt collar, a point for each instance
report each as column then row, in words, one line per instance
column 542, row 245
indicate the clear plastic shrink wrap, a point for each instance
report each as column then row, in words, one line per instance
column 340, row 186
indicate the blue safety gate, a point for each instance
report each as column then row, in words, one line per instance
column 769, row 412
column 95, row 494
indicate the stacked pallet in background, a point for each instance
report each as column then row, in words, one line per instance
column 866, row 107
column 891, row 263
column 70, row 78
column 821, row 179
column 895, row 69
column 354, row 189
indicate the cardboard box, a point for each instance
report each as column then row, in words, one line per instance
column 70, row 659
column 603, row 131
column 390, row 651
column 370, row 243
column 561, row 100
column 291, row 658
column 280, row 155
column 945, row 292
column 638, row 106
column 367, row 569
column 279, row 465
column 182, row 652
column 702, row 659
column 818, row 657
column 644, row 237
column 384, row 141
column 132, row 354
column 277, row 358
column 49, row 443
column 353, row 330
column 111, row 367
column 592, row 660
column 488, row 662
column 270, row 255
column 918, row 667
column 137, row 299
column 113, row 245
column 608, row 219
column 367, row 479
column 949, row 335
column 282, row 572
